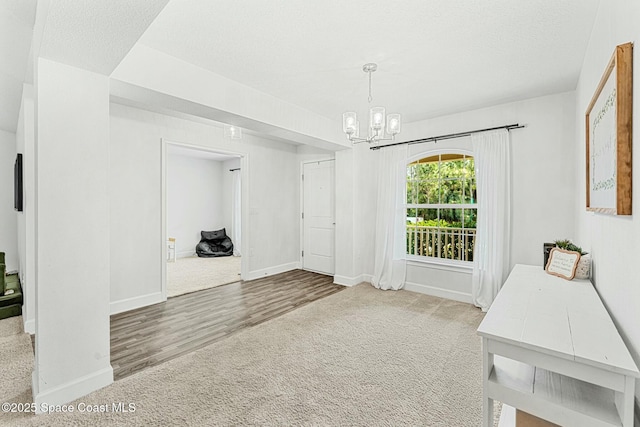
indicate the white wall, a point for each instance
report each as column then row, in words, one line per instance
column 346, row 272
column 272, row 226
column 614, row 241
column 227, row 195
column 194, row 200
column 148, row 76
column 25, row 142
column 543, row 182
column 310, row 154
column 72, row 222
column 8, row 216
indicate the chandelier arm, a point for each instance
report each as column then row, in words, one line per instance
column 385, row 139
column 371, row 139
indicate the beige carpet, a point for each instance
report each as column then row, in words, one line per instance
column 360, row 357
column 16, row 364
column 194, row 273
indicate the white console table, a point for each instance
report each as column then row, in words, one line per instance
column 551, row 349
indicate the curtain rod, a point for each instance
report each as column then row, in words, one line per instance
column 232, row 170
column 448, row 136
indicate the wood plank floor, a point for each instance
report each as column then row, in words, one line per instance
column 152, row 335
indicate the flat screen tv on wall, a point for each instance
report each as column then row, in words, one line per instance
column 17, row 183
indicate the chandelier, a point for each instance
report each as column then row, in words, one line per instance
column 378, row 123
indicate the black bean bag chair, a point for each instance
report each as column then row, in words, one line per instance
column 214, row 243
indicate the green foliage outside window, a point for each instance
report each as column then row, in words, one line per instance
column 432, row 182
column 438, row 180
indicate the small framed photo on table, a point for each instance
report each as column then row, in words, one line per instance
column 563, row 263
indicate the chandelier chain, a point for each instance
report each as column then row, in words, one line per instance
column 370, row 97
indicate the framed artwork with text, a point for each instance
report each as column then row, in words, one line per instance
column 608, row 131
column 562, row 263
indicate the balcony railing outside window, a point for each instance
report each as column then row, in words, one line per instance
column 441, row 242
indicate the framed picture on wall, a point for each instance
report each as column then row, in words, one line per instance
column 17, row 183
column 608, row 131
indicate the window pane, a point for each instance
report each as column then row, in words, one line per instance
column 451, row 233
column 470, row 218
column 411, row 171
column 411, row 231
column 411, row 216
column 427, row 192
column 411, row 192
column 427, row 217
column 426, row 233
column 469, row 234
column 426, row 171
column 470, row 195
column 451, row 217
column 453, row 169
column 469, row 167
column 451, row 191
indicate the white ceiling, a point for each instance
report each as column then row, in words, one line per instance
column 435, row 57
column 95, row 35
column 16, row 28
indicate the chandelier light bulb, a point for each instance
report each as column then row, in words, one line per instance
column 349, row 123
column 376, row 118
column 393, row 124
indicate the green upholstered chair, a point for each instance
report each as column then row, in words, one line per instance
column 11, row 292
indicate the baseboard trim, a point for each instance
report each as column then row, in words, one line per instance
column 270, row 271
column 29, row 325
column 185, row 254
column 72, row 390
column 348, row 281
column 135, row 302
column 438, row 292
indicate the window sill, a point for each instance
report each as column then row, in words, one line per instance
column 440, row 264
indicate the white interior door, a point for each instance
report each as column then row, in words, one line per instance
column 318, row 216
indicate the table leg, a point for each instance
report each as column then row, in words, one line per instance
column 487, row 402
column 625, row 402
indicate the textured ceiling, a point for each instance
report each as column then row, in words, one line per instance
column 91, row 34
column 434, row 57
column 16, row 27
column 95, row 34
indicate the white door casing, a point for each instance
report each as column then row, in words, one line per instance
column 318, row 216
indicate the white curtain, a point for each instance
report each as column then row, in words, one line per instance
column 390, row 252
column 492, row 245
column 236, row 210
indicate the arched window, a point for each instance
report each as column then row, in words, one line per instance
column 441, row 207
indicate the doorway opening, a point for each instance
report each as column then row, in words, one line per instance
column 202, row 218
